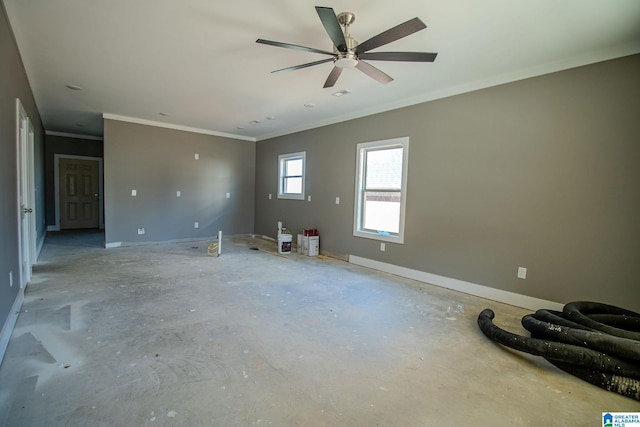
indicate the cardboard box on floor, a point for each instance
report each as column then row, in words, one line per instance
column 309, row 245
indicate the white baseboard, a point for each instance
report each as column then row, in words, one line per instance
column 160, row 242
column 482, row 291
column 7, row 328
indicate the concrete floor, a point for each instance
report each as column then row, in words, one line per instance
column 163, row 335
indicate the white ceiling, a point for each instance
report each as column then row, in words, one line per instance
column 197, row 60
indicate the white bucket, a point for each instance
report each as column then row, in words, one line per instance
column 284, row 243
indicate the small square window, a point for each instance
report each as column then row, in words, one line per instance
column 291, row 169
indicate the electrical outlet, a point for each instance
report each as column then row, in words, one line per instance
column 178, row 193
column 141, row 230
column 383, row 247
column 11, row 279
column 337, row 200
column 134, row 193
column 196, row 156
column 228, row 195
column 522, row 273
column 309, row 198
column 270, row 195
column 196, row 225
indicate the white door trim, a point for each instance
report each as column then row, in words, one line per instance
column 56, row 173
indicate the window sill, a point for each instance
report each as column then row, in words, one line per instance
column 382, row 237
column 291, row 196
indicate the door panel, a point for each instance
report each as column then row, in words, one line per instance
column 79, row 194
column 25, row 195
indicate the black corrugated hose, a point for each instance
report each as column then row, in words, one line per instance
column 596, row 342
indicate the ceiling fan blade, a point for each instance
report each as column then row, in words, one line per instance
column 332, row 26
column 333, row 77
column 373, row 72
column 294, row 46
column 298, row 67
column 399, row 56
column 391, row 35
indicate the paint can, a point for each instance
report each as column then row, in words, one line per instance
column 284, row 243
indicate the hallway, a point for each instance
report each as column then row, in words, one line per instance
column 165, row 335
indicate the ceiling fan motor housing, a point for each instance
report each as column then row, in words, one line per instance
column 349, row 58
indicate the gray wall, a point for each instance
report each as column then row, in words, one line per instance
column 541, row 173
column 56, row 144
column 158, row 162
column 14, row 84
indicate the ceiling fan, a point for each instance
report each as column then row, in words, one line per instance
column 348, row 53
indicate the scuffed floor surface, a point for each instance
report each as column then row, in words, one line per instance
column 164, row 335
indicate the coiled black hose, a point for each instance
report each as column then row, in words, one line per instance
column 596, row 342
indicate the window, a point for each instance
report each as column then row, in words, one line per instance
column 381, row 182
column 291, row 168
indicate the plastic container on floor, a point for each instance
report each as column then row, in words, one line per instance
column 284, row 243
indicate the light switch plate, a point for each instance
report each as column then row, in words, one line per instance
column 522, row 273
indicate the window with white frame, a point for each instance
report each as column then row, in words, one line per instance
column 381, row 183
column 291, row 170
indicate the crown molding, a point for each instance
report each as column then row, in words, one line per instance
column 174, row 127
column 73, row 135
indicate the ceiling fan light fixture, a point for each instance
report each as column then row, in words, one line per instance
column 346, row 62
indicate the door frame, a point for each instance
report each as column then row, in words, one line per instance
column 56, row 173
column 26, row 194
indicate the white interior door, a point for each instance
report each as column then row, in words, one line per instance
column 31, row 193
column 26, row 196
